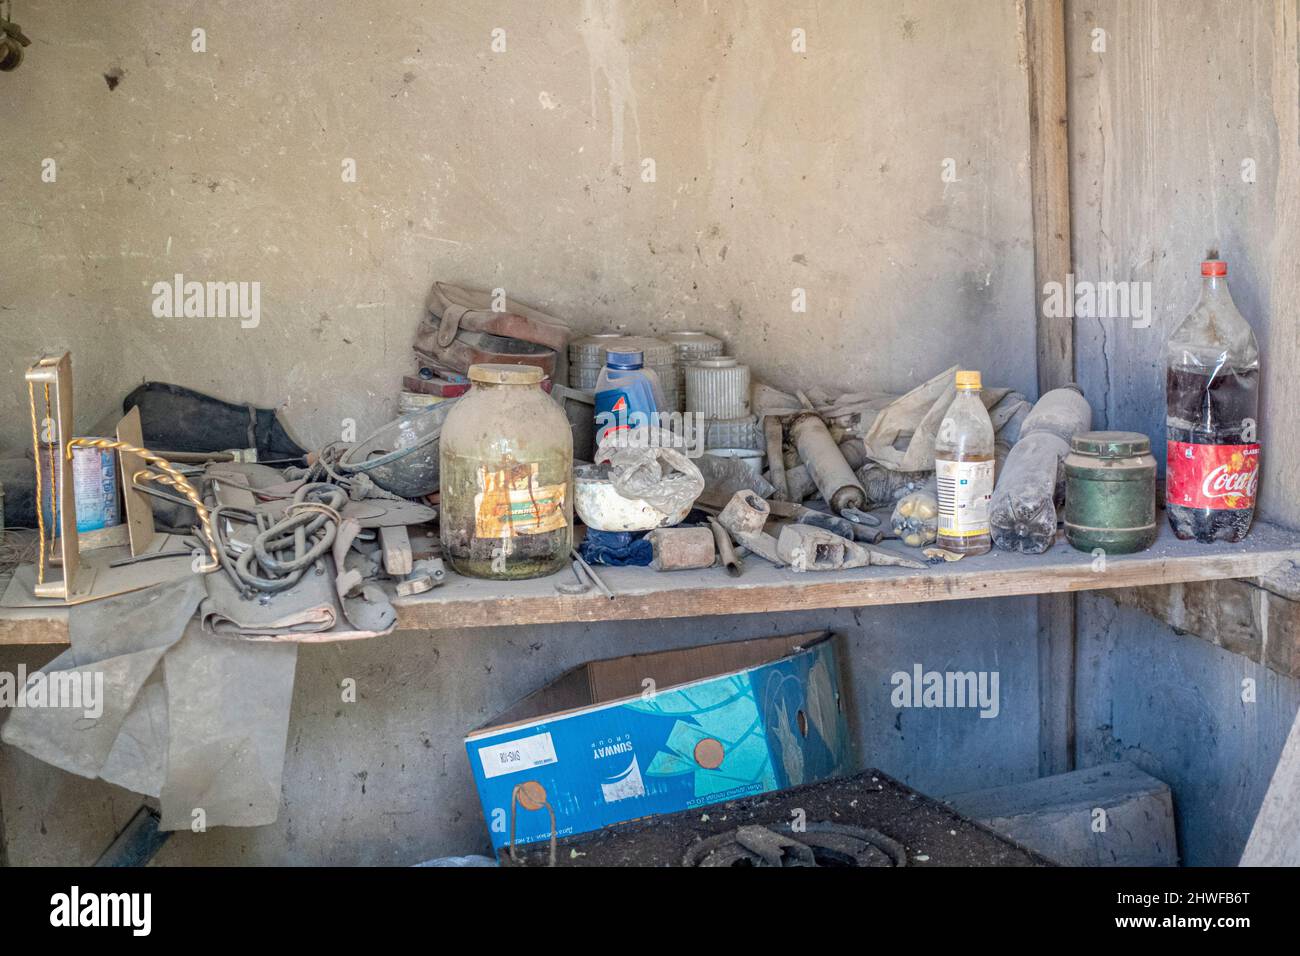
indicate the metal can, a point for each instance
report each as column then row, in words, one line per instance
column 1110, row 492
column 94, row 482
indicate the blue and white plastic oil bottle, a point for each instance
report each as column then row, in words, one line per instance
column 627, row 394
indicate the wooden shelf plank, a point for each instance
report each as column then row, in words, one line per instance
column 645, row 594
column 642, row 593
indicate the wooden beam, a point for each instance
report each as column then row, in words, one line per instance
column 1275, row 837
column 1280, row 415
column 1056, row 684
column 1049, row 170
column 1049, row 165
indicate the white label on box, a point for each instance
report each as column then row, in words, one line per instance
column 522, row 754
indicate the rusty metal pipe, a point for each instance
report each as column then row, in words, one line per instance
column 834, row 478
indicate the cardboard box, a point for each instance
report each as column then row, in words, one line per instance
column 630, row 737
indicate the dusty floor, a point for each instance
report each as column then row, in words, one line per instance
column 932, row 834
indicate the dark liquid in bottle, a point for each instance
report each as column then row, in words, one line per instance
column 1210, row 407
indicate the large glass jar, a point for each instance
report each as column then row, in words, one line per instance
column 506, row 469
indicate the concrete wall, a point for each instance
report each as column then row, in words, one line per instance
column 774, row 170
column 523, row 169
column 386, row 779
column 1185, row 136
column 1167, row 127
column 1206, row 721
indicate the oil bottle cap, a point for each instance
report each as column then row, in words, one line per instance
column 631, row 359
column 505, row 374
column 1214, row 267
column 967, row 379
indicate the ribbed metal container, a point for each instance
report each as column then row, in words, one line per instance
column 589, row 351
column 717, row 388
column 691, row 347
column 746, row 432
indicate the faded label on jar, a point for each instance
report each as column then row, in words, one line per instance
column 512, row 501
column 965, row 489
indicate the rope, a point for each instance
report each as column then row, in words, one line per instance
column 515, row 802
column 40, row 501
column 169, row 476
column 55, row 473
column 283, row 551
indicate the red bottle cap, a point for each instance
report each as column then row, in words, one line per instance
column 1214, row 267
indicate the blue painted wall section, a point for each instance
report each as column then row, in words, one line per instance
column 1173, row 704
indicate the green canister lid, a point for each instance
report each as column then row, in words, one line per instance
column 1111, row 444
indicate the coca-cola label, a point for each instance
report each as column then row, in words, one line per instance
column 1222, row 477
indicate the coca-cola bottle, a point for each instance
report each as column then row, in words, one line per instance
column 1212, row 392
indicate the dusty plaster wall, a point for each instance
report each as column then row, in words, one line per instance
column 774, row 170
column 1185, row 135
column 386, row 780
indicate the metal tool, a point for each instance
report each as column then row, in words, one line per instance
column 595, row 578
column 425, row 575
column 582, row 586
column 726, row 549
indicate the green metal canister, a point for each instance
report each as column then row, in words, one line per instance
column 1110, row 492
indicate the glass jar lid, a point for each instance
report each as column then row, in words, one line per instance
column 501, row 374
column 1111, row 444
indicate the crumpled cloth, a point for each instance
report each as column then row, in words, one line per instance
column 898, row 432
column 616, row 548
column 228, row 705
column 199, row 721
column 645, row 464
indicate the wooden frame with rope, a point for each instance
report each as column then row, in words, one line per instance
column 50, row 440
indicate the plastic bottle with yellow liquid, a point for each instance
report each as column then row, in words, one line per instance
column 963, row 464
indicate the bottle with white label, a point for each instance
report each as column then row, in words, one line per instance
column 963, row 465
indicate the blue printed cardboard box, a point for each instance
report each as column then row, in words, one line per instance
column 631, row 737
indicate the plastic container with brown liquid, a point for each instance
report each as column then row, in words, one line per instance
column 1212, row 423
column 506, row 472
column 963, row 465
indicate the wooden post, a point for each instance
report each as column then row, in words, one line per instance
column 1275, row 837
column 1057, row 675
column 1049, row 164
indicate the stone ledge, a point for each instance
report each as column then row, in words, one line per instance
column 1258, row 618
